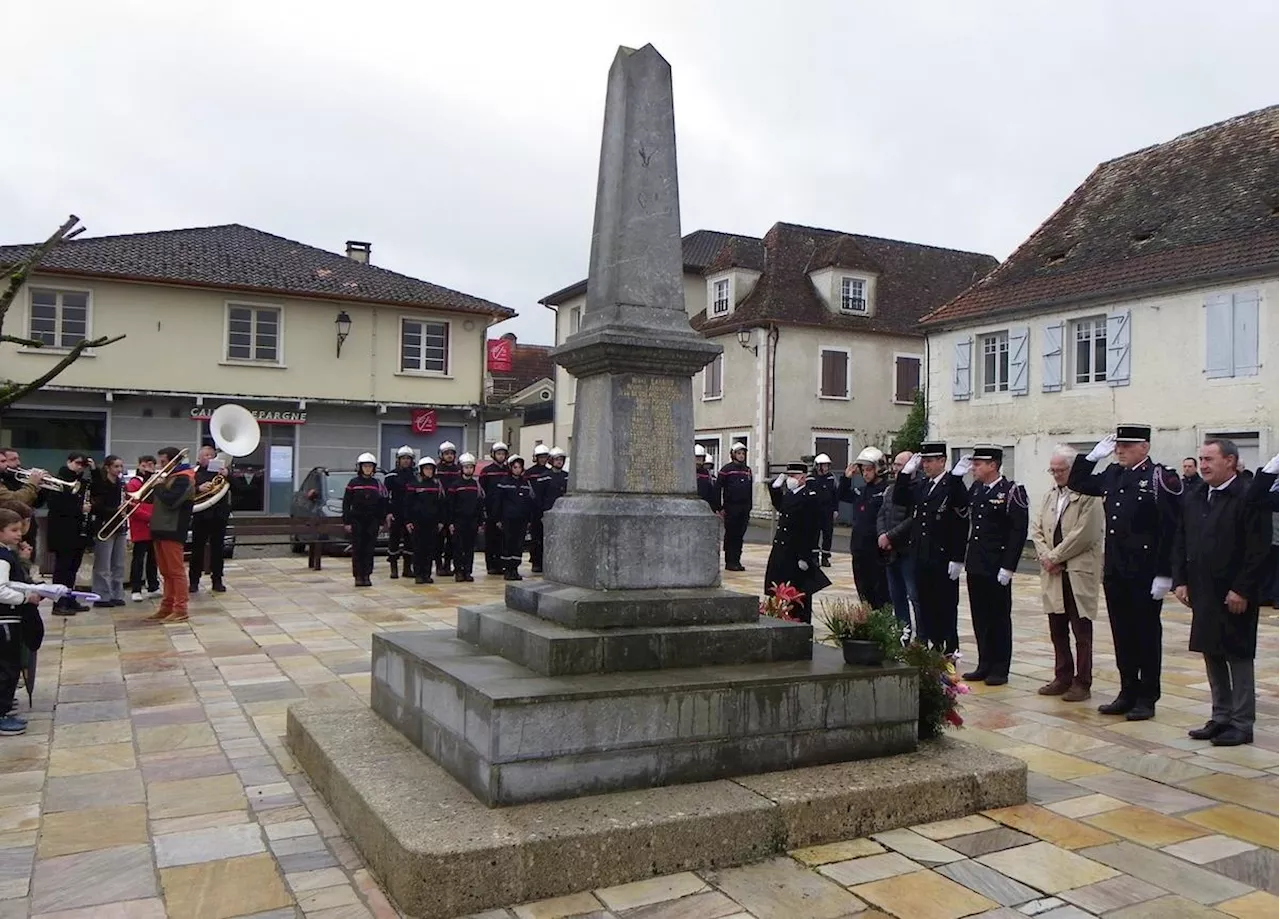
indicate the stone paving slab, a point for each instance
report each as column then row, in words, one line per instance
column 306, row 635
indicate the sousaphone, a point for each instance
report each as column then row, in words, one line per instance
column 235, row 432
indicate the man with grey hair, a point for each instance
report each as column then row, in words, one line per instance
column 1067, row 535
column 1219, row 561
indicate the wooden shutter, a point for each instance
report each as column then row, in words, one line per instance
column 1119, row 340
column 1019, row 338
column 1244, row 333
column 1219, row 352
column 962, row 376
column 906, row 378
column 1051, row 352
column 835, row 376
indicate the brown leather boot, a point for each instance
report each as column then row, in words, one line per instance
column 1076, row 693
column 1055, row 688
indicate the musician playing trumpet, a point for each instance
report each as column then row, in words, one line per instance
column 170, row 520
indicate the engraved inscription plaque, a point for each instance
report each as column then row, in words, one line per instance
column 652, row 451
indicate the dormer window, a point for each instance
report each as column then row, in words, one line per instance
column 853, row 295
column 720, row 297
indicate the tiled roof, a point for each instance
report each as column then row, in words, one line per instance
column 235, row 257
column 911, row 280
column 1197, row 209
column 529, row 364
column 699, row 248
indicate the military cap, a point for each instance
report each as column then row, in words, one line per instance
column 1133, row 433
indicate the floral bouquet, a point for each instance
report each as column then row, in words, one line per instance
column 785, row 598
column 940, row 688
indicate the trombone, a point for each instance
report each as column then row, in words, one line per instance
column 131, row 502
column 49, row 482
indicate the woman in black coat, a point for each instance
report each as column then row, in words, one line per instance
column 795, row 558
column 66, row 538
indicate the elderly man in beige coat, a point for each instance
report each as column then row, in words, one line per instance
column 1067, row 533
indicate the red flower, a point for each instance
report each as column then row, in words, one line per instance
column 954, row 719
column 787, row 593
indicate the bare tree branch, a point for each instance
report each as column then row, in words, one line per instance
column 15, row 391
column 18, row 274
column 24, row 342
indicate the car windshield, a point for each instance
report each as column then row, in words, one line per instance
column 336, row 484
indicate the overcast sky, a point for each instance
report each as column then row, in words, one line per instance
column 463, row 139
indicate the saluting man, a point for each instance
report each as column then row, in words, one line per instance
column 734, row 487
column 939, row 504
column 998, row 523
column 795, row 557
column 1142, row 504
column 399, row 542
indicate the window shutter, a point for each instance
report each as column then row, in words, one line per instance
column 1119, row 340
column 1018, row 376
column 1051, row 351
column 1219, row 353
column 962, row 377
column 906, row 378
column 1244, row 334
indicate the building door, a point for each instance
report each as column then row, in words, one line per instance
column 262, row 482
column 395, row 436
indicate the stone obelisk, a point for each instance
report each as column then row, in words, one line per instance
column 632, row 520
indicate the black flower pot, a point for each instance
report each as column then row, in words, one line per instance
column 862, row 653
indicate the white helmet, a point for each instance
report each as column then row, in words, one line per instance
column 467, row 459
column 822, row 459
column 498, row 446
column 366, row 458
column 406, row 450
column 541, row 450
column 870, row 456
column 515, row 458
column 447, row 446
column 556, row 451
column 700, row 451
column 736, row 447
column 426, row 461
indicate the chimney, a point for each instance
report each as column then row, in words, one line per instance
column 358, row 251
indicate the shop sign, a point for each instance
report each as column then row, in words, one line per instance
column 499, row 350
column 423, row 420
column 262, row 416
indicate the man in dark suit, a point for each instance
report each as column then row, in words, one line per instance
column 796, row 558
column 1219, row 561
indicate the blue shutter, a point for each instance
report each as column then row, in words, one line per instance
column 1119, row 342
column 1244, row 334
column 962, row 376
column 1219, row 352
column 1019, row 339
column 1051, row 351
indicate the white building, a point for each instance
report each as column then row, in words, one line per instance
column 1149, row 296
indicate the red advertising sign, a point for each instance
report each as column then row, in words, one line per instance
column 499, row 355
column 423, row 420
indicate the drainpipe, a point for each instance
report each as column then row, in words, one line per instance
column 771, row 364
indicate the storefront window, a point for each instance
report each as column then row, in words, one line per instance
column 262, row 482
column 45, row 438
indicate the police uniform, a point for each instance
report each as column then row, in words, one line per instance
column 795, row 556
column 1142, row 507
column 733, row 492
column 939, row 509
column 869, row 575
column 998, row 524
column 514, row 507
column 829, row 487
column 425, row 510
column 399, row 543
column 364, row 507
column 448, row 473
column 464, row 516
column 492, row 474
column 539, row 478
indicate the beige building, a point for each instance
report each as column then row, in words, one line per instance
column 1149, row 296
column 334, row 355
column 821, row 350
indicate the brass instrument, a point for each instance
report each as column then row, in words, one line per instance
column 49, row 482
column 131, row 501
column 236, row 433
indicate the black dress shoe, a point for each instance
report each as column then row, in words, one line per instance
column 1140, row 712
column 1118, row 706
column 1232, row 737
column 996, row 680
column 1210, row 730
column 974, row 676
column 219, row 587
column 102, row 604
column 117, row 603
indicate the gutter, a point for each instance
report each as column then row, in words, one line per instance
column 248, row 397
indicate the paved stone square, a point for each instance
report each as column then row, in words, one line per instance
column 160, row 785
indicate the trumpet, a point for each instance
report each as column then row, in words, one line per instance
column 131, row 502
column 49, row 482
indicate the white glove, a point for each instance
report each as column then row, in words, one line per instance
column 953, row 570
column 804, row 566
column 1103, row 449
column 912, row 464
column 780, row 480
column 1004, row 576
column 1160, row 587
column 1273, row 466
column 963, row 467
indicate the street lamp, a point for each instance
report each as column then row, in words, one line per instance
column 744, row 338
column 343, row 322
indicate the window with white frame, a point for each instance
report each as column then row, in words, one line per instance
column 424, row 346
column 575, row 320
column 906, row 378
column 253, row 333
column 710, row 443
column 995, row 362
column 720, row 297
column 713, row 378
column 834, row 383
column 853, row 295
column 1090, row 356
column 59, row 318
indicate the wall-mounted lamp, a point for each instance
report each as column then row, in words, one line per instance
column 745, row 337
column 343, row 322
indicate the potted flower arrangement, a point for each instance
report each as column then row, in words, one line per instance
column 940, row 688
column 785, row 598
column 866, row 635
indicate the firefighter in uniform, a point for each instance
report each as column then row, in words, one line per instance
column 514, row 509
column 869, row 575
column 559, row 476
column 493, row 473
column 939, row 507
column 998, row 524
column 705, row 480
column 447, row 471
column 795, row 551
column 539, row 478
column 827, row 482
column 425, row 515
column 734, row 489
column 399, row 543
column 1142, row 503
column 465, row 514
column 365, row 510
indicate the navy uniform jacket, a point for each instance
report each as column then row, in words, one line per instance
column 364, row 498
column 866, row 509
column 559, row 486
column 514, row 501
column 940, row 515
column 448, row 474
column 1142, row 508
column 797, row 536
column 466, row 502
column 397, row 485
column 707, row 490
column 733, row 487
column 829, row 487
column 425, row 502
column 998, row 522
column 540, row 479
column 489, row 478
